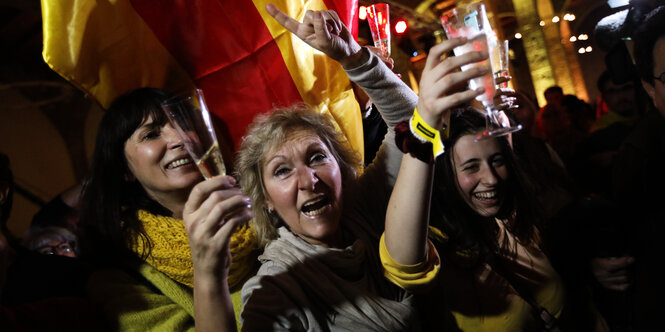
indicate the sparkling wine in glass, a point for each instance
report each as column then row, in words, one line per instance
column 189, row 116
column 502, row 64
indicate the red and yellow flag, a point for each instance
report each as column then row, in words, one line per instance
column 245, row 62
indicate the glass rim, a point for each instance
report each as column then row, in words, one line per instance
column 183, row 96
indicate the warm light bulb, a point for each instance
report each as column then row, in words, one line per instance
column 362, row 13
column 573, row 39
column 518, row 35
column 583, row 36
column 589, row 49
column 555, row 19
column 571, row 17
column 542, row 23
column 581, row 50
column 400, row 26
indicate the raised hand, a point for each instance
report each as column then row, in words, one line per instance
column 442, row 84
column 324, row 31
column 504, row 98
column 212, row 212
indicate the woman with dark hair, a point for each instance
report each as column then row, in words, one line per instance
column 159, row 235
column 487, row 226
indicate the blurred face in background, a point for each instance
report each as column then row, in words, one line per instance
column 57, row 247
column 620, row 98
column 554, row 98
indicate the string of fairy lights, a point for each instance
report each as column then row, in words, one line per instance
column 583, row 37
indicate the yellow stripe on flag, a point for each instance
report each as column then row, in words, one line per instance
column 321, row 81
column 107, row 49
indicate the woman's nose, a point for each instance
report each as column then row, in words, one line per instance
column 489, row 176
column 307, row 178
column 171, row 136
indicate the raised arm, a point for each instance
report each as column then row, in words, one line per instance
column 214, row 209
column 324, row 31
column 408, row 210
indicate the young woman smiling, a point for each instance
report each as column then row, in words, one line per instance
column 487, row 228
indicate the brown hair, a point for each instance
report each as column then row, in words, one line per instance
column 269, row 131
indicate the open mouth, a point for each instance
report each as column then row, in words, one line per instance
column 315, row 207
column 485, row 195
column 178, row 163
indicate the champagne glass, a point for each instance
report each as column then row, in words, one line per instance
column 471, row 22
column 189, row 116
column 378, row 17
column 502, row 52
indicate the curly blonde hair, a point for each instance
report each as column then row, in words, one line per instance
column 266, row 133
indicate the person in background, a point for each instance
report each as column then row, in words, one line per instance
column 38, row 292
column 552, row 185
column 636, row 174
column 580, row 113
column 591, row 166
column 52, row 241
column 556, row 129
column 622, row 102
column 553, row 95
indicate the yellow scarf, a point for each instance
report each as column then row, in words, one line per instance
column 170, row 253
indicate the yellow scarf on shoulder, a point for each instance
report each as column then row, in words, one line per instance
column 170, row 253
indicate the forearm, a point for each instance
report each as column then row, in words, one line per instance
column 394, row 99
column 213, row 310
column 408, row 212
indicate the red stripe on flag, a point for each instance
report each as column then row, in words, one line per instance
column 347, row 11
column 229, row 53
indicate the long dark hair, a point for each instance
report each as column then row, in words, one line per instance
column 111, row 198
column 469, row 234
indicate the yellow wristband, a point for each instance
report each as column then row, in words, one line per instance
column 426, row 133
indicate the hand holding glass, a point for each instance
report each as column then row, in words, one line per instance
column 189, row 116
column 472, row 23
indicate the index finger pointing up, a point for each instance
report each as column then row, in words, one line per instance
column 283, row 19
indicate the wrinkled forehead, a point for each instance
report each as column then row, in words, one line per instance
column 291, row 140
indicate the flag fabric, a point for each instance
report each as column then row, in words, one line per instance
column 243, row 60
